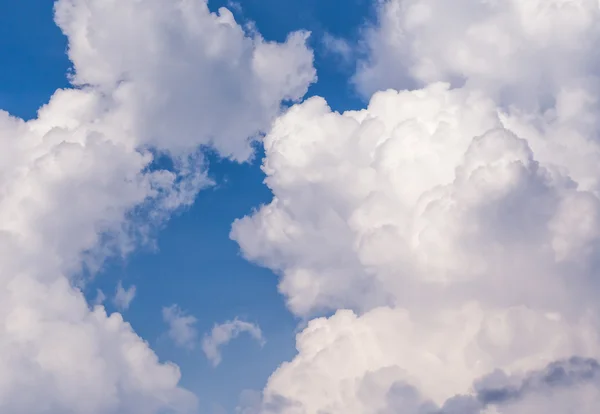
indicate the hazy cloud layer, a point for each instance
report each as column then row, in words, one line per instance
column 180, row 74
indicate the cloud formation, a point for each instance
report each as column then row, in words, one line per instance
column 180, row 73
column 181, row 326
column 570, row 385
column 123, row 297
column 79, row 184
column 222, row 334
column 452, row 225
column 522, row 51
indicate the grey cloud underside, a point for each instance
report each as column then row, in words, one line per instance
column 497, row 390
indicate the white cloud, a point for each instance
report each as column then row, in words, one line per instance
column 570, row 385
column 453, row 228
column 181, row 326
column 523, row 50
column 77, row 184
column 369, row 171
column 123, row 297
column 338, row 46
column 224, row 333
column 351, row 364
column 461, row 248
column 180, row 75
column 100, row 297
column 66, row 197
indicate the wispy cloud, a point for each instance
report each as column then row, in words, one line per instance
column 123, row 297
column 338, row 46
column 182, row 328
column 224, row 333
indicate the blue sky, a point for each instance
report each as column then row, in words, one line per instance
column 428, row 253
column 196, row 265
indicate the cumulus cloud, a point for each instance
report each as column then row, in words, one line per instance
column 452, row 225
column 123, row 297
column 562, row 386
column 67, row 193
column 460, row 248
column 387, row 359
column 79, row 183
column 569, row 385
column 224, row 333
column 181, row 326
column 522, row 51
column 181, row 73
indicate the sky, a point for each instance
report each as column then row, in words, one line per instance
column 285, row 207
column 194, row 263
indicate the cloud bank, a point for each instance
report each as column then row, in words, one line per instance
column 79, row 184
column 517, row 50
column 452, row 225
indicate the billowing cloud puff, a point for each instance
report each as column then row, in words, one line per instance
column 521, row 50
column 462, row 233
column 421, row 193
column 354, row 364
column 78, row 184
column 184, row 76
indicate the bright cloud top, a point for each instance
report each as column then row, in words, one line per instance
column 224, row 333
column 181, row 73
column 78, row 184
column 459, row 222
column 521, row 50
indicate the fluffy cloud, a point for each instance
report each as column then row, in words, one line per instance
column 520, row 50
column 181, row 326
column 415, row 195
column 356, row 364
column 481, row 249
column 458, row 220
column 182, row 73
column 79, row 183
column 224, row 333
